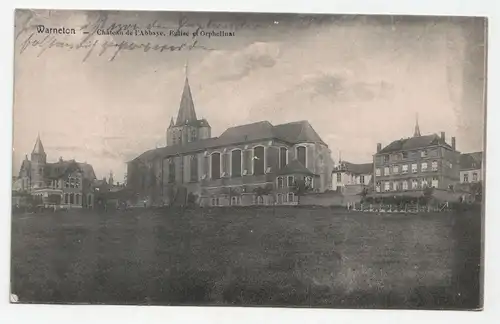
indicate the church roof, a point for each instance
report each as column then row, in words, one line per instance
column 295, row 167
column 38, row 148
column 186, row 114
column 292, row 133
column 411, row 143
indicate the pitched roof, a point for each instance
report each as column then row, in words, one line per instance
column 38, row 148
column 295, row 167
column 61, row 168
column 363, row 168
column 414, row 143
column 293, row 133
column 471, row 160
column 186, row 114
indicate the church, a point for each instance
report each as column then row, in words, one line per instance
column 253, row 164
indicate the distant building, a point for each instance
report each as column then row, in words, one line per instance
column 471, row 167
column 411, row 164
column 60, row 183
column 232, row 169
column 351, row 177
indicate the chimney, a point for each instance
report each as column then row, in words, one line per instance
column 453, row 143
column 379, row 147
column 443, row 137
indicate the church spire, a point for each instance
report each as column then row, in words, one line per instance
column 417, row 128
column 186, row 113
column 38, row 149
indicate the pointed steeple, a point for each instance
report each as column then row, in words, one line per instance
column 186, row 114
column 417, row 128
column 171, row 122
column 38, row 149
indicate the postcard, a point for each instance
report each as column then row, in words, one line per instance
column 248, row 159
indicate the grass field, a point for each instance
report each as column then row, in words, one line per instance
column 288, row 256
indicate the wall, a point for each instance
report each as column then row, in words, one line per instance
column 328, row 199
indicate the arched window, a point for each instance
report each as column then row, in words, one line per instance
column 66, row 198
column 236, row 163
column 291, row 197
column 193, row 163
column 258, row 160
column 215, row 165
column 301, row 155
column 171, row 170
column 71, row 198
column 283, row 157
column 77, row 199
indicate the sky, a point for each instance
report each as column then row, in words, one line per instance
column 359, row 80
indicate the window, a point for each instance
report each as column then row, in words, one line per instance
column 260, row 200
column 71, row 198
column 386, row 158
column 405, row 185
column 235, row 200
column 404, row 168
column 215, row 201
column 377, row 187
column 193, row 165
column 291, row 197
column 466, row 177
column 414, row 184
column 339, row 177
column 435, row 182
column 66, row 198
column 194, row 135
column 308, row 181
column 236, row 163
column 405, row 155
column 362, row 179
column 386, row 171
column 290, row 181
column 395, row 186
column 215, row 165
column 258, row 160
column 414, row 168
column 171, row 170
column 301, row 155
column 423, row 153
column 474, row 177
column 377, row 172
column 279, row 181
column 434, row 166
column 279, row 199
column 423, row 167
column 424, row 183
column 77, row 199
column 283, row 157
column 387, row 186
column 395, row 169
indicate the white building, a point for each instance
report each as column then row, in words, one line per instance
column 471, row 167
column 347, row 177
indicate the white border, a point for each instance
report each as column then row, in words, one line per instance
column 114, row 314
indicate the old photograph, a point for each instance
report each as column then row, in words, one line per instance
column 248, row 159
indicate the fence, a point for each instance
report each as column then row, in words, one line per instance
column 402, row 208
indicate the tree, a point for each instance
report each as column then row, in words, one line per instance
column 428, row 193
column 301, row 188
column 476, row 189
column 263, row 191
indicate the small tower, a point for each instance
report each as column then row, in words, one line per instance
column 38, row 162
column 187, row 128
column 417, row 128
column 111, row 180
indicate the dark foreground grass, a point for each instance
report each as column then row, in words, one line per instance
column 309, row 257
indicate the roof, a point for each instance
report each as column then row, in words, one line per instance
column 38, row 148
column 292, row 133
column 186, row 114
column 363, row 168
column 471, row 160
column 411, row 143
column 295, row 167
column 59, row 169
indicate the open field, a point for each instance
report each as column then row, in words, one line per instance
column 285, row 256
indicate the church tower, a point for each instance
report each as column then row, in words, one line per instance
column 38, row 162
column 187, row 128
column 416, row 133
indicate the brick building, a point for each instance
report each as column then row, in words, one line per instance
column 411, row 164
column 235, row 168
